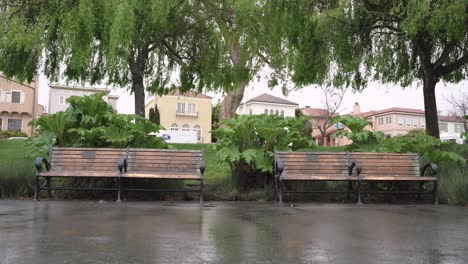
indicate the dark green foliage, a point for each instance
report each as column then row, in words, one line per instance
column 247, row 144
column 215, row 120
column 154, row 115
column 90, row 122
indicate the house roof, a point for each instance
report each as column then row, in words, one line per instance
column 316, row 112
column 392, row 110
column 267, row 98
column 453, row 119
column 190, row 93
column 79, row 88
column 20, row 83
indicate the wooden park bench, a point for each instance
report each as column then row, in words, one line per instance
column 120, row 164
column 373, row 166
column 312, row 166
column 164, row 164
column 77, row 163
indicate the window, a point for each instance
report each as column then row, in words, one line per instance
column 458, row 127
column 423, row 122
column 250, row 111
column 415, row 121
column 174, row 127
column 408, row 120
column 181, row 108
column 266, row 112
column 185, row 127
column 276, row 112
column 282, row 112
column 400, row 120
column 0, row 124
column 191, row 109
column 380, row 120
column 198, row 129
column 61, row 100
column 16, row 97
column 388, row 119
column 271, row 112
column 443, row 127
column 14, row 124
column 2, row 96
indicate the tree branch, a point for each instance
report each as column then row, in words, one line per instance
column 443, row 57
column 443, row 70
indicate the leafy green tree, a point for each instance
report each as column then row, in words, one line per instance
column 347, row 43
column 140, row 44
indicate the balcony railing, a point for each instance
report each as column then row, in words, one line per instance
column 187, row 114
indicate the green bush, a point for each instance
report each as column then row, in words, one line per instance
column 90, row 122
column 247, row 143
column 8, row 134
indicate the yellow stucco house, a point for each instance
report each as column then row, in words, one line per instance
column 184, row 112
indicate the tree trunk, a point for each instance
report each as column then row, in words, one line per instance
column 233, row 98
column 322, row 139
column 231, row 101
column 430, row 106
column 139, row 92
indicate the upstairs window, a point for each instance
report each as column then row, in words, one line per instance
column 271, row 112
column 282, row 112
column 191, row 109
column 276, row 112
column 266, row 112
column 458, row 128
column 380, row 121
column 400, row 120
column 423, row 122
column 388, row 120
column 408, row 120
column 415, row 121
column 62, row 100
column 16, row 97
column 181, row 108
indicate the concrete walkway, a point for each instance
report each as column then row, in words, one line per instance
column 143, row 232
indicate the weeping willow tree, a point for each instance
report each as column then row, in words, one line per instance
column 139, row 44
column 347, row 43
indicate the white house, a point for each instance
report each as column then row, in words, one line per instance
column 450, row 128
column 58, row 95
column 267, row 104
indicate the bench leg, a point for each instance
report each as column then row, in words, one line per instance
column 359, row 193
column 280, row 192
column 118, row 191
column 48, row 187
column 201, row 192
column 420, row 190
column 436, row 193
column 37, row 188
column 350, row 187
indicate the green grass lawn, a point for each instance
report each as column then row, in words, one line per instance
column 16, row 169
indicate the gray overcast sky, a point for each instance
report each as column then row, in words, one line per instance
column 375, row 97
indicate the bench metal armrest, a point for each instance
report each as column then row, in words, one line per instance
column 434, row 169
column 279, row 168
column 39, row 162
column 202, row 166
column 122, row 165
column 352, row 166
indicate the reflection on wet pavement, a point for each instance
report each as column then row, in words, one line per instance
column 142, row 232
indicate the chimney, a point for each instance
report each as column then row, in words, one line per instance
column 307, row 106
column 356, row 109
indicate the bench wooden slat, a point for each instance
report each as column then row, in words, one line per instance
column 318, row 177
column 396, row 178
column 155, row 175
column 80, row 173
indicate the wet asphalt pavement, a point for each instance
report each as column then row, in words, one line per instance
column 154, row 232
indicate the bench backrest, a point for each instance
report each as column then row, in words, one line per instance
column 387, row 164
column 314, row 163
column 164, row 160
column 88, row 159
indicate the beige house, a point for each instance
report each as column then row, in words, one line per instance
column 18, row 105
column 58, row 95
column 269, row 105
column 398, row 121
column 184, row 112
